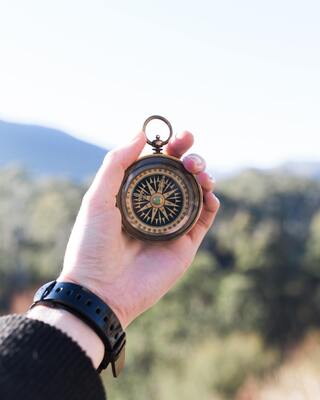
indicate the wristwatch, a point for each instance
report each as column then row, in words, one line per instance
column 81, row 302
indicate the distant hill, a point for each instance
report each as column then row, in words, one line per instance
column 48, row 152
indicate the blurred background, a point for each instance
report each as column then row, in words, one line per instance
column 78, row 78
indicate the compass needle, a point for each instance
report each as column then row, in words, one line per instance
column 151, row 190
column 169, row 203
column 145, row 207
column 168, row 194
column 167, row 185
column 140, row 203
column 146, row 215
column 164, row 212
column 161, row 185
column 141, row 190
column 154, row 212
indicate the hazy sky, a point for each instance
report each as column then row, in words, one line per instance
column 244, row 76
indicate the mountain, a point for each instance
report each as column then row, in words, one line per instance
column 49, row 152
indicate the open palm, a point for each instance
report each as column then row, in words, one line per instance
column 131, row 275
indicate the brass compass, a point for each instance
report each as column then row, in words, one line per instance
column 159, row 199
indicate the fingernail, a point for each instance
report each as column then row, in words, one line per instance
column 199, row 162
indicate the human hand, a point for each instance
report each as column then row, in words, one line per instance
column 128, row 274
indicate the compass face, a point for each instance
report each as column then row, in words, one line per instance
column 159, row 200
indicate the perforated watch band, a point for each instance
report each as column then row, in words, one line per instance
column 94, row 312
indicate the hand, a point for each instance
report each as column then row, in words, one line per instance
column 128, row 274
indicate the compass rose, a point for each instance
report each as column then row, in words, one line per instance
column 157, row 200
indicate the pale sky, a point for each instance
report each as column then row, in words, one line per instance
column 243, row 76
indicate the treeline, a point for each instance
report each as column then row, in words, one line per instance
column 252, row 293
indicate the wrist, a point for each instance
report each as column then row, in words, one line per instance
column 98, row 291
column 92, row 311
column 74, row 327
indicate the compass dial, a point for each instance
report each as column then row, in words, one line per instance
column 159, row 201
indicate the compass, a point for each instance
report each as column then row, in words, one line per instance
column 159, row 199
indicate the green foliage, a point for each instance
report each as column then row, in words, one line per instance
column 36, row 218
column 313, row 246
column 163, row 366
column 253, row 289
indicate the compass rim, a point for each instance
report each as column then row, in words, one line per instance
column 165, row 162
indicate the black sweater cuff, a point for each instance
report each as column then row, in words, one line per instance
column 38, row 361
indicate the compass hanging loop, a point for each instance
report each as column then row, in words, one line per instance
column 157, row 143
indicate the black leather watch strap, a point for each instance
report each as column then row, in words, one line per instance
column 94, row 312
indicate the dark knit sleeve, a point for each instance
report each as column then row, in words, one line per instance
column 38, row 361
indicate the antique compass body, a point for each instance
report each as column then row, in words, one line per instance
column 159, row 199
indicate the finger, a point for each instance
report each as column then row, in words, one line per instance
column 210, row 208
column 194, row 163
column 180, row 144
column 206, row 181
column 107, row 181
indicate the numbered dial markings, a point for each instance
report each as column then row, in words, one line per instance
column 157, row 200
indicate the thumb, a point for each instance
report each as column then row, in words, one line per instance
column 107, row 181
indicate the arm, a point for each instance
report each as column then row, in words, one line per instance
column 38, row 361
column 129, row 275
